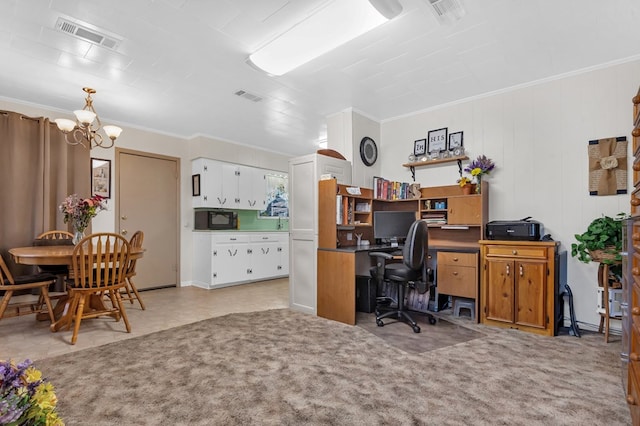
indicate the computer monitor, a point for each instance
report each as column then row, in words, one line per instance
column 391, row 226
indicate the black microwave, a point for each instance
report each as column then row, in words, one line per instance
column 215, row 219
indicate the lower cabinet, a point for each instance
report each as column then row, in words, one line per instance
column 519, row 287
column 457, row 275
column 228, row 258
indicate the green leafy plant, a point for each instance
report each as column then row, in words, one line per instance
column 601, row 242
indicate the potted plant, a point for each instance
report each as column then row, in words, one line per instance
column 601, row 242
column 465, row 184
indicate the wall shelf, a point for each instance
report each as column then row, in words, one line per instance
column 412, row 166
column 436, row 161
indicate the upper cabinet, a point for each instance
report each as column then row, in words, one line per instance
column 228, row 185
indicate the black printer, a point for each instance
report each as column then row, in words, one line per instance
column 520, row 230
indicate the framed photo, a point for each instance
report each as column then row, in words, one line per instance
column 195, row 185
column 420, row 147
column 101, row 177
column 455, row 140
column 437, row 140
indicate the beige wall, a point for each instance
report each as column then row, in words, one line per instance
column 186, row 150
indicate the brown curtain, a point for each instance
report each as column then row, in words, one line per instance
column 38, row 169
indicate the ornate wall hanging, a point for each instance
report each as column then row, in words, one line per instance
column 608, row 166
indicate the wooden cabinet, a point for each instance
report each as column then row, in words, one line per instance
column 457, row 274
column 342, row 214
column 519, row 287
column 227, row 258
column 631, row 279
column 455, row 220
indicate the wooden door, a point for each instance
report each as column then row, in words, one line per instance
column 499, row 300
column 530, row 285
column 148, row 200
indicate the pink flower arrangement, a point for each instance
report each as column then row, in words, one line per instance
column 80, row 211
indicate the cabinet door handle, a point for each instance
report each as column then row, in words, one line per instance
column 455, row 259
column 634, row 356
column 508, row 270
column 455, row 273
column 635, row 311
column 514, row 252
column 631, row 400
column 521, row 270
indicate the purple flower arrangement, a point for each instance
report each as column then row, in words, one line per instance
column 25, row 397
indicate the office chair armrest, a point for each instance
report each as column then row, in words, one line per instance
column 383, row 255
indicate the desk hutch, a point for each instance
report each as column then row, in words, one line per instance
column 453, row 241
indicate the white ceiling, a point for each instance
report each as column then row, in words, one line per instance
column 180, row 61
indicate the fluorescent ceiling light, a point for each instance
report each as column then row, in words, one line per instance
column 330, row 26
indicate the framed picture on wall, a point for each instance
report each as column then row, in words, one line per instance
column 101, row 177
column 455, row 140
column 195, row 185
column 420, row 147
column 437, row 140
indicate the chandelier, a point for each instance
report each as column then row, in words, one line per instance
column 82, row 131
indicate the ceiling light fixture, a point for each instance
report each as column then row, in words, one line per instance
column 82, row 130
column 330, row 26
column 447, row 11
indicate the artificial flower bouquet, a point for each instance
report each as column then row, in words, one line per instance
column 25, row 397
column 478, row 168
column 80, row 211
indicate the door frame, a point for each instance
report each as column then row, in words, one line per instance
column 177, row 229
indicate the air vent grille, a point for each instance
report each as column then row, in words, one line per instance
column 83, row 32
column 249, row 96
column 447, row 11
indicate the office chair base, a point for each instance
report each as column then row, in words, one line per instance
column 401, row 315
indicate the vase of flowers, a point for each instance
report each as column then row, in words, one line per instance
column 25, row 397
column 478, row 168
column 466, row 185
column 79, row 212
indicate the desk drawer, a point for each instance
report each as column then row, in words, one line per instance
column 461, row 281
column 457, row 259
column 517, row 251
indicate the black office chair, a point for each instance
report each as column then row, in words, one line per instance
column 411, row 272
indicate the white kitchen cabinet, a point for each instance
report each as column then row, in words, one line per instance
column 229, row 185
column 210, row 183
column 227, row 258
column 252, row 188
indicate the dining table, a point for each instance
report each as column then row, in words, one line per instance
column 59, row 255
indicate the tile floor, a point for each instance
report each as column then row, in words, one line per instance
column 24, row 337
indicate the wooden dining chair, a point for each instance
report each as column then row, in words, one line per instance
column 99, row 263
column 56, row 235
column 130, row 291
column 55, row 238
column 10, row 284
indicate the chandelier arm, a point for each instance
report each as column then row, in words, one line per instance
column 77, row 137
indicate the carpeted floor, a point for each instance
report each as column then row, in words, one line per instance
column 281, row 367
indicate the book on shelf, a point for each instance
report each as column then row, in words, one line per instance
column 384, row 189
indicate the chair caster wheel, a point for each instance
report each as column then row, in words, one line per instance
column 432, row 320
column 379, row 322
column 416, row 329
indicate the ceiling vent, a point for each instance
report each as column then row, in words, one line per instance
column 247, row 95
column 447, row 11
column 83, row 32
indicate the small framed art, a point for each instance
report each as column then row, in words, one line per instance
column 455, row 140
column 101, row 177
column 195, row 185
column 437, row 140
column 420, row 147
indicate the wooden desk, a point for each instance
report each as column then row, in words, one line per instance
column 58, row 255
